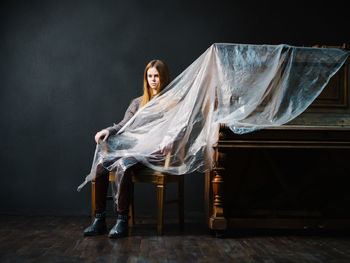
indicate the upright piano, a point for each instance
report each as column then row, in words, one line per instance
column 288, row 177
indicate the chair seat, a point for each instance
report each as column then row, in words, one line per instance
column 149, row 175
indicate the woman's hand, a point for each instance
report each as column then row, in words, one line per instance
column 104, row 134
column 166, row 145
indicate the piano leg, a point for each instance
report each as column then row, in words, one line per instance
column 217, row 221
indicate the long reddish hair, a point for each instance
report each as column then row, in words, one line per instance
column 164, row 80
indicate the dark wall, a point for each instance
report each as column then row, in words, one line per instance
column 70, row 68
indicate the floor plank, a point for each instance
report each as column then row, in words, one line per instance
column 59, row 239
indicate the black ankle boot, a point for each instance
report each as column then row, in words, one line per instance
column 121, row 228
column 98, row 227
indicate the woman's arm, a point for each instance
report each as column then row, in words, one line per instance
column 132, row 109
column 112, row 130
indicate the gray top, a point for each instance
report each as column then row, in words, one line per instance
column 132, row 109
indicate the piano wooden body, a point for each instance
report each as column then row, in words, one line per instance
column 291, row 177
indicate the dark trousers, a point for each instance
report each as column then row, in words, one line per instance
column 101, row 188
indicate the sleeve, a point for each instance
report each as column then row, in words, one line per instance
column 133, row 107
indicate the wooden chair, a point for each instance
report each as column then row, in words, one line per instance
column 148, row 175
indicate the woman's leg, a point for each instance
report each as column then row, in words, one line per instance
column 124, row 197
column 101, row 188
column 120, row 229
column 98, row 227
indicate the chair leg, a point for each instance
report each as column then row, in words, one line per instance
column 131, row 207
column 181, row 202
column 93, row 202
column 160, row 209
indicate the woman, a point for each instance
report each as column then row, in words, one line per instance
column 156, row 77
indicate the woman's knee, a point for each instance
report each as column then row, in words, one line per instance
column 101, row 170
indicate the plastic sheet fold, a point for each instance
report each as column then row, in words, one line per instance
column 246, row 87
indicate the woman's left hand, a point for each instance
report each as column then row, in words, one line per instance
column 166, row 145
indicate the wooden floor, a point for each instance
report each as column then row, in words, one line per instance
column 60, row 239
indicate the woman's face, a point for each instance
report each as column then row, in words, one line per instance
column 153, row 78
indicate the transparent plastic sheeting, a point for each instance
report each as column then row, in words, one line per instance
column 246, row 87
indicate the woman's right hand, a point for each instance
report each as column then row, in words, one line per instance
column 102, row 135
